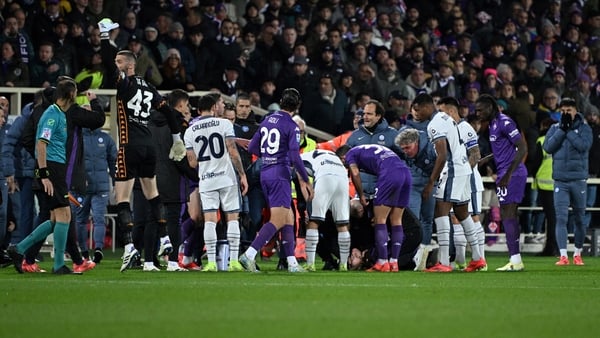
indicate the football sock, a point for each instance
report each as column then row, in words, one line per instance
column 460, row 244
column 577, row 252
column 38, row 234
column 563, row 252
column 311, row 241
column 381, row 239
column 210, row 240
column 287, row 240
column 511, row 228
column 480, row 238
column 396, row 241
column 443, row 237
column 263, row 237
column 516, row 259
column 233, row 237
column 344, row 244
column 60, row 242
column 470, row 231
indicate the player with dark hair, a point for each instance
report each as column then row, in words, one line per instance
column 391, row 196
column 137, row 153
column 469, row 139
column 509, row 149
column 569, row 141
column 51, row 156
column 211, row 148
column 277, row 143
column 450, row 178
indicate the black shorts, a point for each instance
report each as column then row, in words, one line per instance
column 136, row 161
column 58, row 177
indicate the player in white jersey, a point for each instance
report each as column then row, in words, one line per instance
column 453, row 189
column 469, row 139
column 210, row 144
column 331, row 193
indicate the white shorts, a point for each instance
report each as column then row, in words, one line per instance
column 228, row 197
column 475, row 205
column 457, row 189
column 331, row 193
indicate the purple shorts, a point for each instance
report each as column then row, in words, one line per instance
column 393, row 188
column 514, row 192
column 277, row 192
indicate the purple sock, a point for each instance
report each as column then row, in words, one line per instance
column 287, row 240
column 264, row 236
column 511, row 228
column 381, row 239
column 191, row 242
column 186, row 229
column 397, row 239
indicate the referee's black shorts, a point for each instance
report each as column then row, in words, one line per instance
column 136, row 161
column 58, row 177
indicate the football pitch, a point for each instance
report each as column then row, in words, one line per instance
column 543, row 301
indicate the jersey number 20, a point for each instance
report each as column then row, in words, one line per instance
column 212, row 146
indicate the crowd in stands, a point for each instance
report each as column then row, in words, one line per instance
column 338, row 54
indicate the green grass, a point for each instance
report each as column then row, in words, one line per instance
column 544, row 301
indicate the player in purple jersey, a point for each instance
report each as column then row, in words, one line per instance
column 277, row 143
column 391, row 195
column 509, row 149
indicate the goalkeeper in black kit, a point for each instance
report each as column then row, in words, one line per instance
column 136, row 156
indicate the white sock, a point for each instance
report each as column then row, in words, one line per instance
column 311, row 240
column 292, row 262
column 480, row 233
column 443, row 237
column 471, row 235
column 344, row 244
column 187, row 260
column 251, row 253
column 577, row 251
column 129, row 247
column 233, row 237
column 165, row 238
column 210, row 240
column 563, row 252
column 516, row 259
column 460, row 244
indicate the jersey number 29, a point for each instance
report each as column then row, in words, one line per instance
column 269, row 140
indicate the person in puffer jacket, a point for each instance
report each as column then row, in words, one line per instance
column 100, row 153
column 569, row 141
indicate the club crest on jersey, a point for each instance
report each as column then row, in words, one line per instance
column 433, row 131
